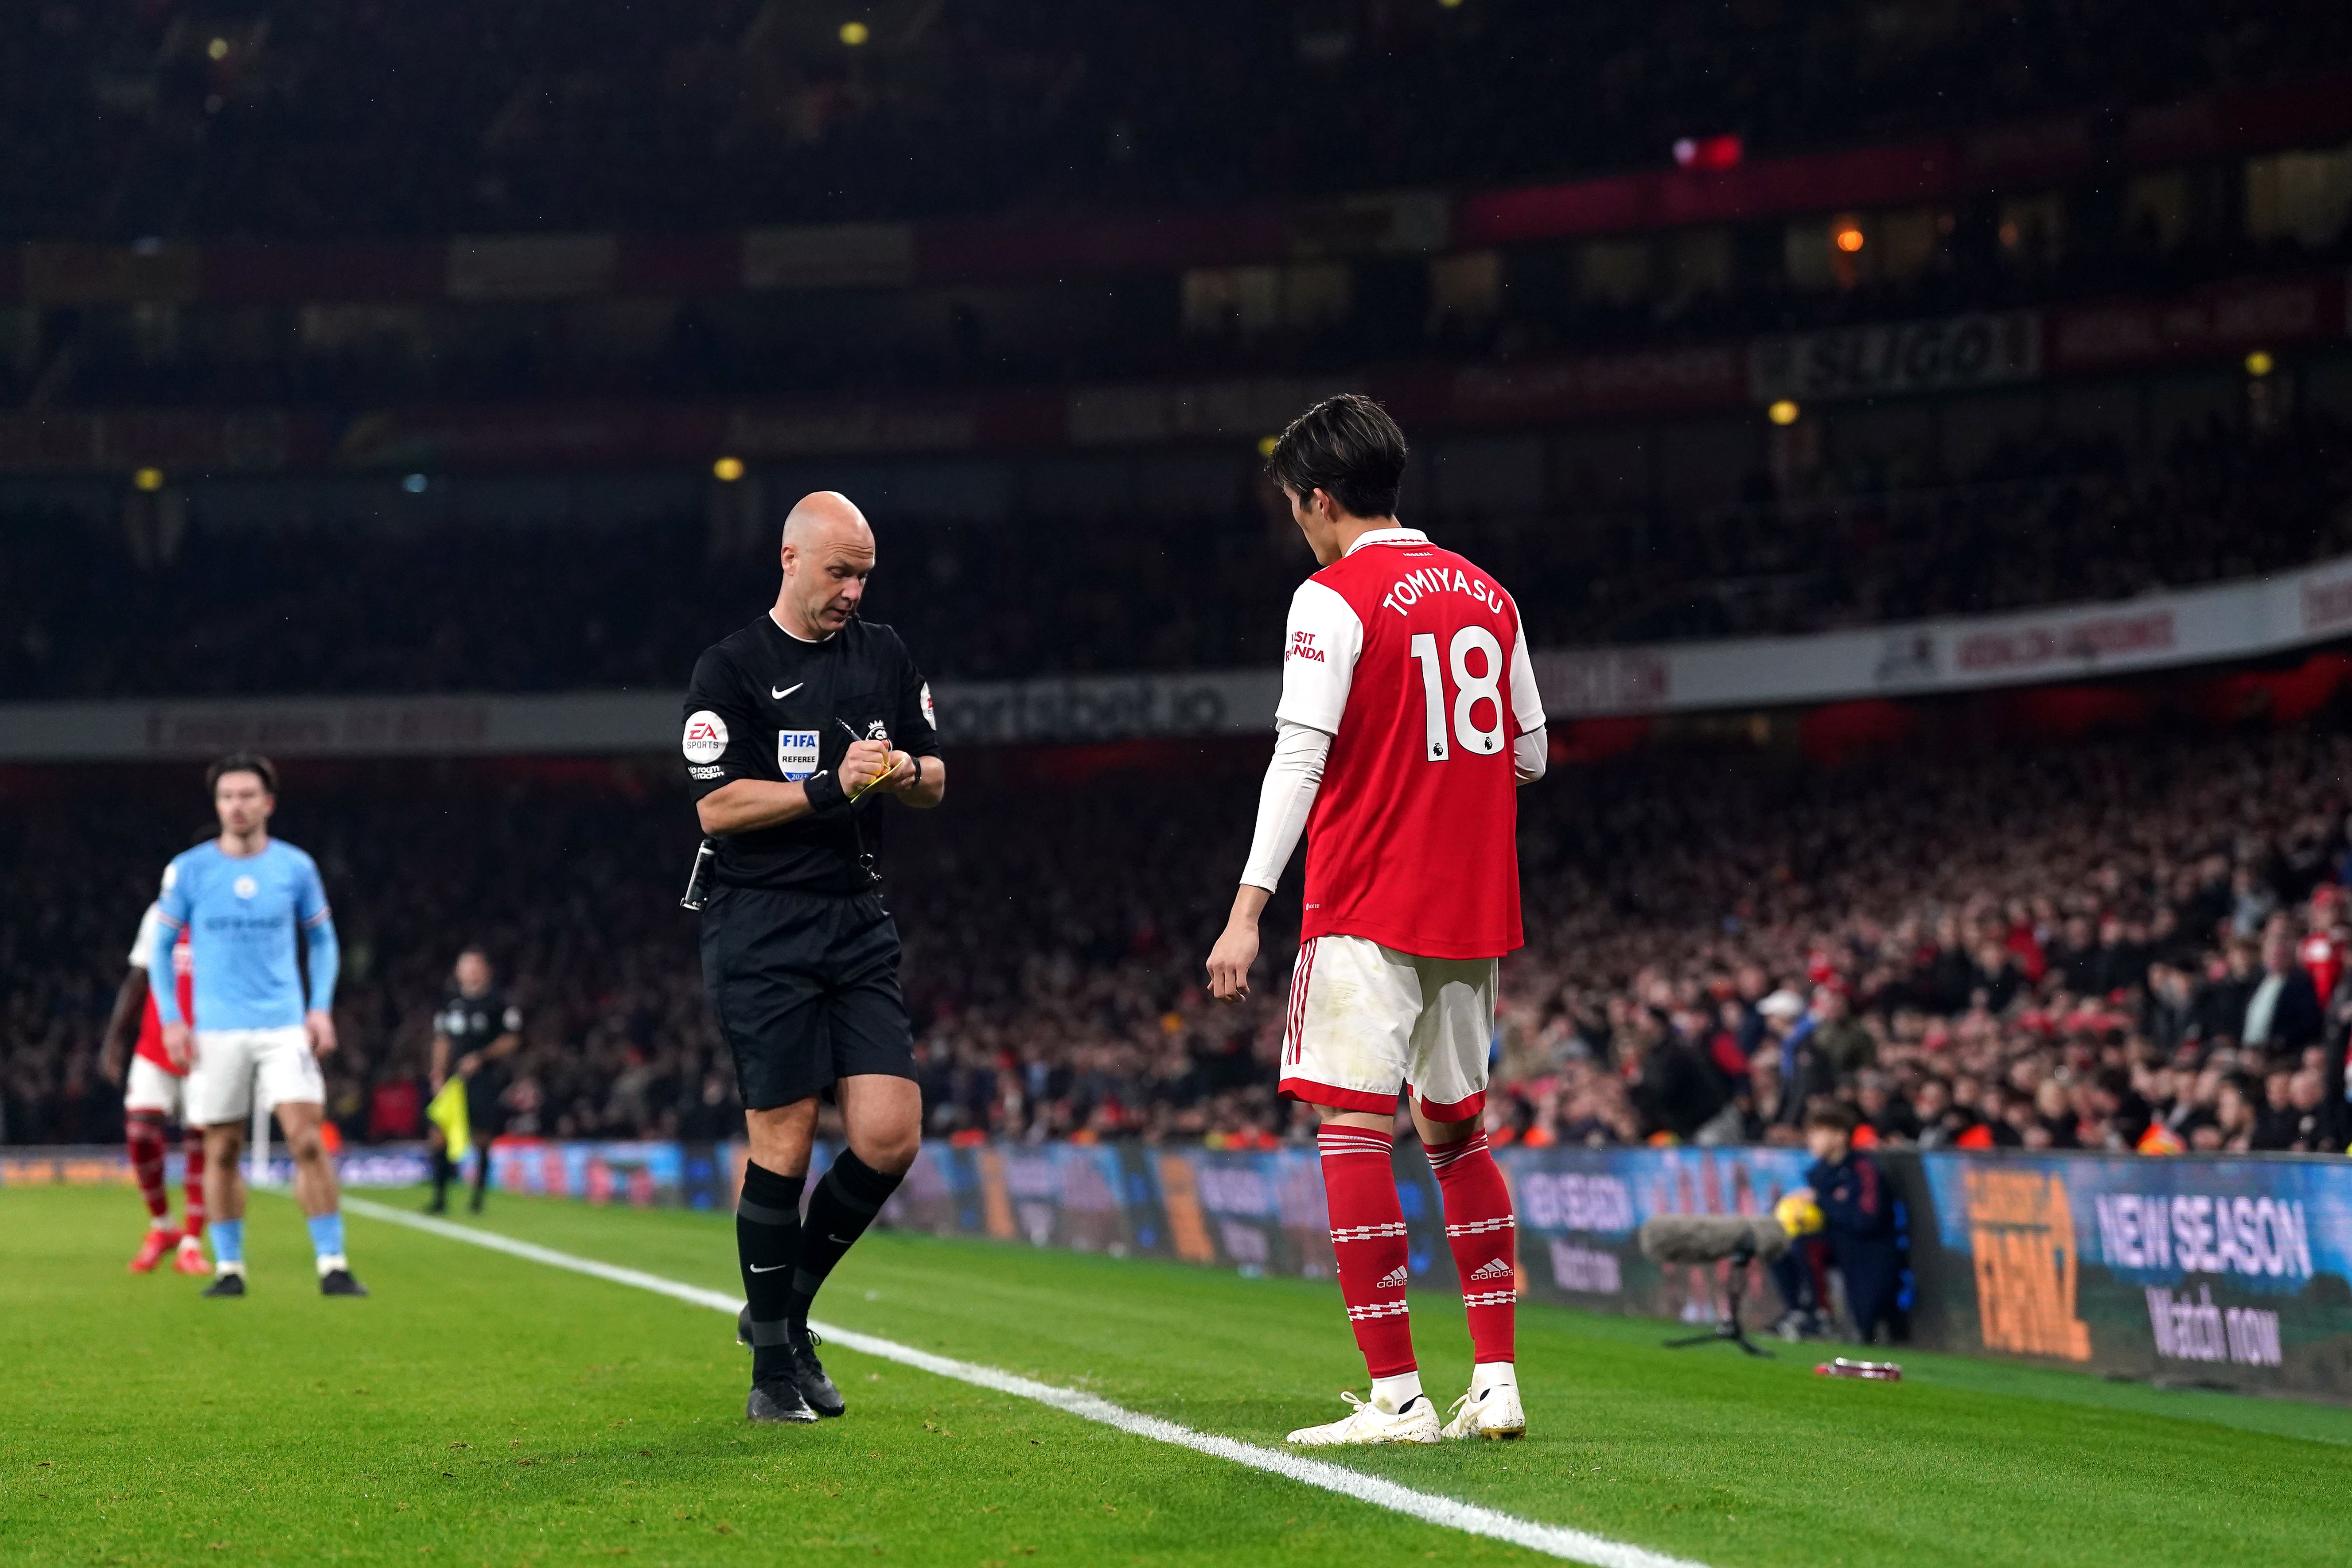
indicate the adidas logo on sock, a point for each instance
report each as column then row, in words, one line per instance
column 1393, row 1280
column 1497, row 1270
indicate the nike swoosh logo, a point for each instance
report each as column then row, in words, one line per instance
column 770, row 1269
column 778, row 696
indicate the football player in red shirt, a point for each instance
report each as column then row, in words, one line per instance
column 154, row 1093
column 1408, row 716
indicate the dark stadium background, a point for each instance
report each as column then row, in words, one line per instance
column 355, row 350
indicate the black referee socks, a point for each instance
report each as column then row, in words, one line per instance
column 767, row 1237
column 843, row 1204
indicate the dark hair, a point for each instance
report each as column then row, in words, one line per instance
column 1347, row 448
column 1831, row 1113
column 252, row 763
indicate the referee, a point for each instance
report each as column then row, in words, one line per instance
column 795, row 726
column 475, row 1031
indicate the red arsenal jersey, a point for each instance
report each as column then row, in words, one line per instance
column 183, row 977
column 2325, row 959
column 1413, row 661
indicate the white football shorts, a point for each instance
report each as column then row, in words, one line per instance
column 149, row 1088
column 1367, row 1021
column 229, row 1062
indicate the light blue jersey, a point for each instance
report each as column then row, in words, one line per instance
column 243, row 913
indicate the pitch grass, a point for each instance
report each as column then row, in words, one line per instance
column 481, row 1408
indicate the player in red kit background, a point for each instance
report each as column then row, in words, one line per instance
column 2321, row 949
column 1409, row 719
column 154, row 1093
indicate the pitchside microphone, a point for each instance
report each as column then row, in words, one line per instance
column 1709, row 1237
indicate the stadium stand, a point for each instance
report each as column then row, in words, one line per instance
column 307, row 119
column 463, row 606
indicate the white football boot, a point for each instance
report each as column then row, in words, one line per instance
column 1367, row 1423
column 1492, row 1412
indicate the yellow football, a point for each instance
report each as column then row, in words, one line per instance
column 1798, row 1216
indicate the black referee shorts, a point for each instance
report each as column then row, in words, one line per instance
column 486, row 1109
column 806, row 989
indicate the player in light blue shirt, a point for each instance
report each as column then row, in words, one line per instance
column 247, row 899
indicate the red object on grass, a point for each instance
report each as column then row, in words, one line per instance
column 1875, row 1370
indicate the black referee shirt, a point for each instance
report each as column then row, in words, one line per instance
column 765, row 704
column 476, row 1023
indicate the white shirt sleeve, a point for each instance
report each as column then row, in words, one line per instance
column 1292, row 782
column 1531, row 753
column 1531, row 747
column 144, row 943
column 1319, row 659
column 1527, row 702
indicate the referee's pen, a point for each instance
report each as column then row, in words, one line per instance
column 854, row 738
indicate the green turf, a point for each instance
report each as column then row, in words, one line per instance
column 140, row 1425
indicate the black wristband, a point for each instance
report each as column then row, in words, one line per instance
column 824, row 791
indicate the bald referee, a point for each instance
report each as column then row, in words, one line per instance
column 796, row 729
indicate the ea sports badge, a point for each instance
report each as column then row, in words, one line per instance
column 796, row 753
column 706, row 737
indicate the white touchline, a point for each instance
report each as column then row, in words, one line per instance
column 1552, row 1540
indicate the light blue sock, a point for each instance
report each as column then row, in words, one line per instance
column 228, row 1240
column 327, row 1235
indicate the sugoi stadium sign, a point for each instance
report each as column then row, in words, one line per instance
column 1947, row 354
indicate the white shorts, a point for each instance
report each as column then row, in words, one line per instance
column 149, row 1088
column 1367, row 1021
column 229, row 1061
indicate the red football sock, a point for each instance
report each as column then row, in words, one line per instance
column 1484, row 1238
column 1368, row 1235
column 191, row 1152
column 143, row 1132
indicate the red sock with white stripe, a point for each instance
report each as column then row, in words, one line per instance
column 143, row 1133
column 1368, row 1236
column 192, row 1152
column 1484, row 1238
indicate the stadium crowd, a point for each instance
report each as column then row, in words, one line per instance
column 2135, row 944
column 2130, row 944
column 434, row 608
column 353, row 118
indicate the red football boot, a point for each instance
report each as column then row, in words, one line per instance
column 151, row 1251
column 191, row 1258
